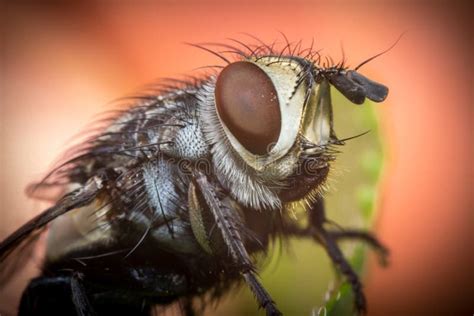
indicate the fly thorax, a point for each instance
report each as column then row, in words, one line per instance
column 186, row 139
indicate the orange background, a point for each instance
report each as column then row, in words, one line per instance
column 62, row 63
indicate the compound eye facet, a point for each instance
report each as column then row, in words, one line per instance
column 247, row 103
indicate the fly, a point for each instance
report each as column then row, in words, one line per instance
column 175, row 195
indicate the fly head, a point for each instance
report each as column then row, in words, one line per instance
column 269, row 119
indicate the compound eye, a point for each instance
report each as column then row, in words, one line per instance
column 247, row 103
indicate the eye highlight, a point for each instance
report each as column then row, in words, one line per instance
column 247, row 103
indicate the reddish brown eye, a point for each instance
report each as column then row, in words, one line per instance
column 247, row 103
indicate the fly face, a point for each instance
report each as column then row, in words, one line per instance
column 274, row 115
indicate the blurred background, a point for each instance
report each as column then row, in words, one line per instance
column 62, row 62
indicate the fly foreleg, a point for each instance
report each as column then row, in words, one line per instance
column 233, row 240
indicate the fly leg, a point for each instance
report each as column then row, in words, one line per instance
column 343, row 234
column 317, row 218
column 263, row 297
column 37, row 297
column 59, row 295
column 365, row 236
column 233, row 240
column 79, row 297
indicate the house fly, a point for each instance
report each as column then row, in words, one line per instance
column 175, row 195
